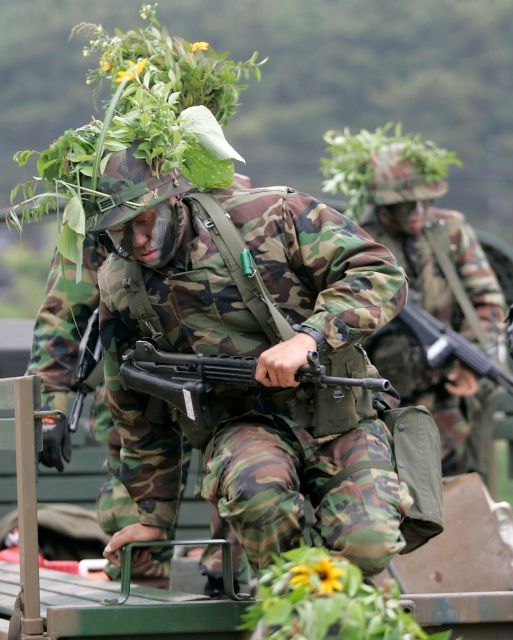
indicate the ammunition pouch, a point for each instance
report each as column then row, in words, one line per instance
column 418, row 464
column 332, row 411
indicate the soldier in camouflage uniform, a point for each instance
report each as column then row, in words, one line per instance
column 328, row 278
column 398, row 215
column 60, row 323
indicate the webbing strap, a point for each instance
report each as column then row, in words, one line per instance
column 343, row 474
column 439, row 243
column 252, row 289
column 139, row 303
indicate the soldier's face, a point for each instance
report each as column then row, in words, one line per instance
column 148, row 238
column 407, row 217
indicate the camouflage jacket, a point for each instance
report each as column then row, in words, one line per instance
column 61, row 321
column 427, row 279
column 321, row 269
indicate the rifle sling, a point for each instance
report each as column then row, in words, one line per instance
column 140, row 306
column 439, row 243
column 253, row 291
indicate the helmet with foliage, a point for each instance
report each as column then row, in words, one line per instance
column 88, row 172
column 384, row 166
column 395, row 178
column 160, row 105
column 130, row 187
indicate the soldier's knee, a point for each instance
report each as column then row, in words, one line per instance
column 371, row 547
column 259, row 506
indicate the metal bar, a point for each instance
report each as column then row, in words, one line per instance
column 126, row 565
column 24, row 392
column 462, row 608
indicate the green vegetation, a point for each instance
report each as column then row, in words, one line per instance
column 441, row 68
column 347, row 165
column 310, row 593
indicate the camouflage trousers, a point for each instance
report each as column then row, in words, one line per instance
column 116, row 509
column 211, row 562
column 260, row 475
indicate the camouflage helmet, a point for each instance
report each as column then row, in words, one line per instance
column 130, row 187
column 396, row 179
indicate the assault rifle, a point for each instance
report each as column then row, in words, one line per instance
column 185, row 380
column 441, row 343
column 89, row 371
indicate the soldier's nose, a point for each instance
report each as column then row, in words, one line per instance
column 139, row 238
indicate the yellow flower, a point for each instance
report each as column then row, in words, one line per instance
column 301, row 575
column 132, row 71
column 323, row 577
column 329, row 576
column 105, row 65
column 199, row 46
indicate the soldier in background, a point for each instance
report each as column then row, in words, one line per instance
column 401, row 214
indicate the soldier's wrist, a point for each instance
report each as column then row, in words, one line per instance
column 322, row 346
column 157, row 513
column 55, row 401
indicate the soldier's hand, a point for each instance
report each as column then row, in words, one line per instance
column 461, row 382
column 133, row 533
column 278, row 365
column 56, row 443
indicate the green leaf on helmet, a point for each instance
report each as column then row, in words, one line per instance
column 70, row 244
column 71, row 238
column 204, row 170
column 200, row 122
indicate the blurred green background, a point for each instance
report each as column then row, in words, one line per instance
column 443, row 68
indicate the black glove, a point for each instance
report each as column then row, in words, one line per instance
column 56, row 443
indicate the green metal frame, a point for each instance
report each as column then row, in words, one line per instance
column 126, row 565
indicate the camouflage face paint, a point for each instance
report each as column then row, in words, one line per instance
column 405, row 217
column 151, row 237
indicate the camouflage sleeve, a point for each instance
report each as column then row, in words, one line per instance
column 361, row 286
column 151, row 453
column 60, row 322
column 479, row 280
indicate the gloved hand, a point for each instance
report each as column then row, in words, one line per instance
column 56, row 443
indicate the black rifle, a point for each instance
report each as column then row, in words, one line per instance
column 89, row 371
column 441, row 343
column 184, row 380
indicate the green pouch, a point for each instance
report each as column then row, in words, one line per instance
column 339, row 409
column 418, row 464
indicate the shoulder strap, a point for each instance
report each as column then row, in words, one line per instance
column 139, row 303
column 248, row 280
column 439, row 243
